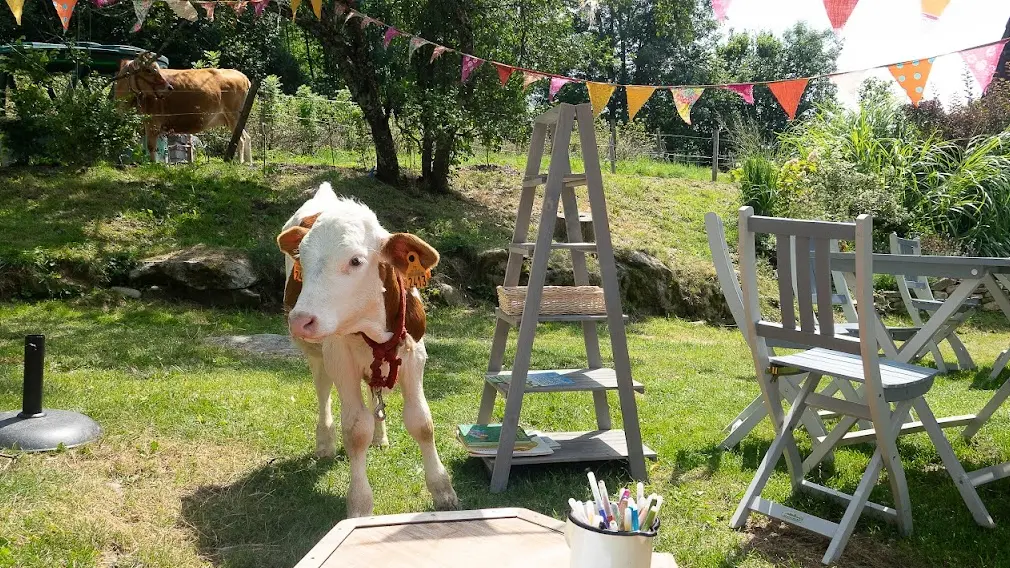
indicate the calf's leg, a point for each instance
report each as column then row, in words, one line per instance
column 326, row 432
column 379, row 438
column 417, row 419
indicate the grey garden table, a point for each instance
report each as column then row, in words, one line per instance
column 972, row 272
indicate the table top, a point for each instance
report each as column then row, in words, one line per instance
column 926, row 265
column 489, row 538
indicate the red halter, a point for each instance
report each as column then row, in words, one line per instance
column 386, row 352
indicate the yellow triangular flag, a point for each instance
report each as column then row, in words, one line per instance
column 317, row 7
column 16, row 6
column 637, row 97
column 599, row 95
column 294, row 8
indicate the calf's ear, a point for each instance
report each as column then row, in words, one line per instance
column 404, row 249
column 291, row 238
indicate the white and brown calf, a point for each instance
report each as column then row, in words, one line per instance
column 347, row 287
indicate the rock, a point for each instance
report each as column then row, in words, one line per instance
column 943, row 284
column 950, row 289
column 647, row 285
column 990, row 307
column 270, row 344
column 588, row 235
column 446, row 294
column 489, row 267
column 940, row 295
column 126, row 292
column 202, row 274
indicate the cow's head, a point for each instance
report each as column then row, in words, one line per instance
column 339, row 245
column 144, row 75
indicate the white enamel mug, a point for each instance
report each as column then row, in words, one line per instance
column 592, row 547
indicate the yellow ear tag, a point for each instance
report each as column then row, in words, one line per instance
column 417, row 275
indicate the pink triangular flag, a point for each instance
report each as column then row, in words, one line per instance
column 209, row 8
column 391, row 33
column 439, row 50
column 470, row 64
column 556, row 84
column 259, row 6
column 745, row 90
column 839, row 12
column 982, row 61
column 530, row 77
column 504, row 72
column 720, row 7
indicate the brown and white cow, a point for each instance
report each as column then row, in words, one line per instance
column 346, row 281
column 183, row 101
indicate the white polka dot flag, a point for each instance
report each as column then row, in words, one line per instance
column 982, row 62
column 912, row 76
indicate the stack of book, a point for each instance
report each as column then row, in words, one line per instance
column 481, row 440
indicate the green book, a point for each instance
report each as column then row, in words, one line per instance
column 484, row 436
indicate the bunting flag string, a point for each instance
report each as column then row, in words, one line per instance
column 64, row 9
column 16, row 6
column 912, row 76
column 684, row 99
column 504, row 72
column 637, row 97
column 470, row 64
column 720, row 7
column 788, row 94
column 933, row 9
column 556, row 84
column 848, row 84
column 391, row 33
column 599, row 95
column 745, row 90
column 839, row 12
column 982, row 61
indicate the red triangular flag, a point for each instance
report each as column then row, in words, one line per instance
column 504, row 72
column 839, row 12
column 65, row 9
column 788, row 94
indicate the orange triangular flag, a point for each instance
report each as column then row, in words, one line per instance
column 504, row 72
column 788, row 94
column 599, row 95
column 317, row 8
column 931, row 9
column 637, row 97
column 16, row 6
column 530, row 77
column 64, row 9
column 294, row 8
column 912, row 76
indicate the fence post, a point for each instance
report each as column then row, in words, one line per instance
column 660, row 154
column 250, row 97
column 613, row 146
column 715, row 154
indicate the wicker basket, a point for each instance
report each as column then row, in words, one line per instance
column 584, row 300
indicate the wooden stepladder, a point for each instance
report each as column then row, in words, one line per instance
column 604, row 443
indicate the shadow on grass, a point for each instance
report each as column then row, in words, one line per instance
column 270, row 517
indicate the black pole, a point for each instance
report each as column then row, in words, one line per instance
column 35, row 353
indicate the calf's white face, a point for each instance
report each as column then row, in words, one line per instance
column 339, row 245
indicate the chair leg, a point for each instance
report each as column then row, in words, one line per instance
column 954, row 467
column 941, row 365
column 744, row 423
column 964, row 360
column 850, row 394
column 825, row 447
column 781, row 444
column 854, row 509
column 997, row 400
column 887, row 445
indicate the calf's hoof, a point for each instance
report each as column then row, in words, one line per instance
column 380, row 441
column 326, row 442
column 443, row 495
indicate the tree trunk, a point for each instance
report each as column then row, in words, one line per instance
column 442, row 163
column 1002, row 72
column 350, row 49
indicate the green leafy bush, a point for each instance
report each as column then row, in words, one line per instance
column 759, row 185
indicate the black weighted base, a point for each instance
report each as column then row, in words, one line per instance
column 48, row 432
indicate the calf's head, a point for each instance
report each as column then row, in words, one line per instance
column 338, row 253
column 144, row 76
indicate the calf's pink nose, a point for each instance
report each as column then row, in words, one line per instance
column 303, row 325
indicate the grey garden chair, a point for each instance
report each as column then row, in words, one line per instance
column 844, row 357
column 918, row 297
column 751, row 416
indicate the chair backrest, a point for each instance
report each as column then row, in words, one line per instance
column 910, row 285
column 728, row 280
column 800, row 324
column 839, row 290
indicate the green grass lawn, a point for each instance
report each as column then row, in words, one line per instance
column 206, row 457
